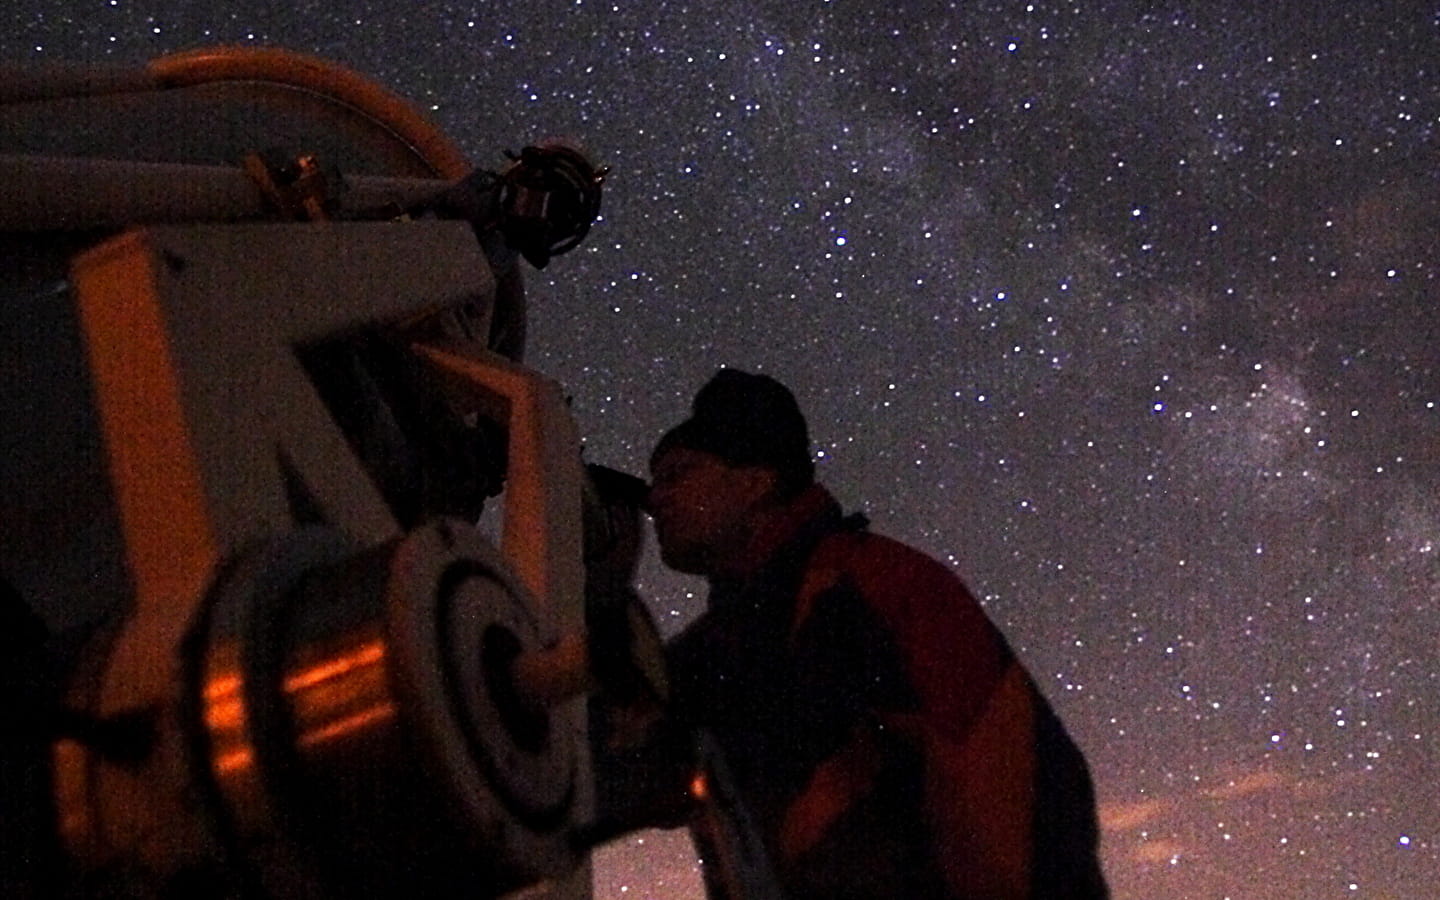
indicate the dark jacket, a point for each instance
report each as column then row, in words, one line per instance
column 883, row 735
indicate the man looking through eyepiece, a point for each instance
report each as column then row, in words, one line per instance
column 882, row 736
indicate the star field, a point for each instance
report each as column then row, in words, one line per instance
column 1130, row 312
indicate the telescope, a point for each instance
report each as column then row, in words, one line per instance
column 263, row 332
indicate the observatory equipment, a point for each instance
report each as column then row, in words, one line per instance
column 262, row 336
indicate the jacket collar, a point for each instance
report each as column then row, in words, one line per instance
column 787, row 530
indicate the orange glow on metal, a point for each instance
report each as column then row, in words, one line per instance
column 226, row 715
column 72, row 788
column 234, row 761
column 338, row 695
column 320, row 76
column 222, row 686
column 224, row 707
column 700, row 786
column 225, row 719
column 366, row 655
column 348, row 725
column 153, row 466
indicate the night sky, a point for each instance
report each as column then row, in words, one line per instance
column 1129, row 311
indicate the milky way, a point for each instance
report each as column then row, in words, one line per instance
column 1127, row 311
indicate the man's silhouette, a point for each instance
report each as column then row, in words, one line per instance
column 881, row 732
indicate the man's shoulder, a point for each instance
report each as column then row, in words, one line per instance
column 952, row 653
column 876, row 560
column 899, row 581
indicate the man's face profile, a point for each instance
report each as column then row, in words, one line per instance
column 701, row 507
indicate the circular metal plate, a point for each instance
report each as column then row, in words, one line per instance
column 457, row 619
